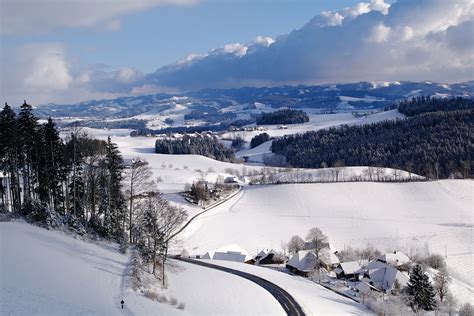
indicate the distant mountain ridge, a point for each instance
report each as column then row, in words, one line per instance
column 328, row 97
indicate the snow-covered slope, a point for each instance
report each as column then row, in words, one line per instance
column 404, row 216
column 49, row 273
column 319, row 121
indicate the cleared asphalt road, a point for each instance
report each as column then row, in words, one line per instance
column 288, row 303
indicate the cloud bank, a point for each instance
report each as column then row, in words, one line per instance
column 408, row 40
column 372, row 41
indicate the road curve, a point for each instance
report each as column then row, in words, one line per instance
column 286, row 301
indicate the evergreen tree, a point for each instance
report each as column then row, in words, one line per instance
column 51, row 172
column 420, row 293
column 115, row 223
column 29, row 138
column 75, row 193
column 9, row 151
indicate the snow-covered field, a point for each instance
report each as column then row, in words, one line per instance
column 404, row 216
column 49, row 273
column 319, row 121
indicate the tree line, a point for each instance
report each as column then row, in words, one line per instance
column 80, row 177
column 198, row 144
column 415, row 106
column 83, row 184
column 435, row 145
column 286, row 116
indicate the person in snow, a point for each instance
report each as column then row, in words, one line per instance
column 122, row 302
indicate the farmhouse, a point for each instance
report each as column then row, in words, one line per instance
column 267, row 256
column 304, row 261
column 231, row 252
column 384, row 276
column 348, row 270
column 394, row 259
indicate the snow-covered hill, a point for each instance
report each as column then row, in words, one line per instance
column 219, row 105
column 48, row 273
column 390, row 216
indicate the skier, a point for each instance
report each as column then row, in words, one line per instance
column 122, row 302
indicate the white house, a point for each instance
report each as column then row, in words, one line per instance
column 383, row 276
column 269, row 256
column 348, row 270
column 304, row 261
column 231, row 252
column 394, row 259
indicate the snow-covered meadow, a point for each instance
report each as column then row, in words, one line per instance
column 50, row 273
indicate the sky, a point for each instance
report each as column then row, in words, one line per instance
column 67, row 51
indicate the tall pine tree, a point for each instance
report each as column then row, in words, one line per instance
column 52, row 171
column 29, row 138
column 9, row 153
column 115, row 217
column 420, row 293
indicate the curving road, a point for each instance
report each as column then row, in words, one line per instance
column 286, row 301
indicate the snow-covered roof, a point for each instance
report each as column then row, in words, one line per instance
column 350, row 267
column 304, row 260
column 328, row 257
column 262, row 253
column 231, row 252
column 385, row 277
column 376, row 265
column 265, row 253
column 364, row 286
column 395, row 258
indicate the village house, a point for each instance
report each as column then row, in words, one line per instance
column 267, row 256
column 231, row 252
column 348, row 270
column 304, row 261
column 394, row 259
column 383, row 276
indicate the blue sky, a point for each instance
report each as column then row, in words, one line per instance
column 149, row 39
column 65, row 51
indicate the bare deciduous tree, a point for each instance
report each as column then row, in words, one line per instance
column 441, row 281
column 295, row 244
column 162, row 223
column 318, row 241
column 138, row 179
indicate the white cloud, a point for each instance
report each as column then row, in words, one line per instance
column 48, row 68
column 35, row 16
column 45, row 73
column 236, row 49
column 373, row 41
column 379, row 33
column 407, row 33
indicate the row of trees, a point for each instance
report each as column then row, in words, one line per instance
column 287, row 116
column 415, row 106
column 83, row 183
column 198, row 144
column 435, row 145
column 80, row 177
column 259, row 139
